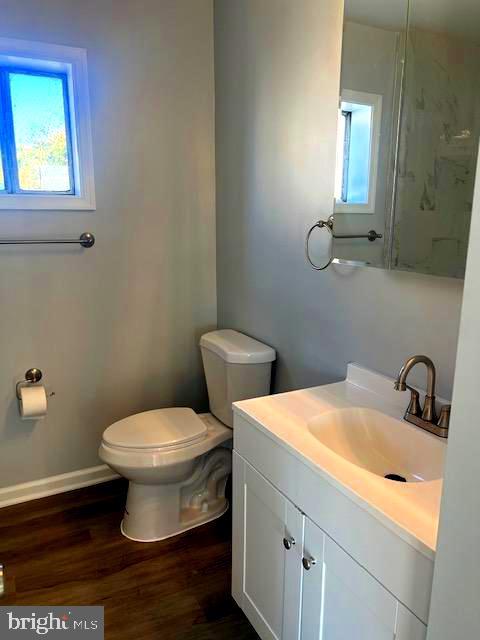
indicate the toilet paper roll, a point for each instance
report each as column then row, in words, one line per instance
column 33, row 402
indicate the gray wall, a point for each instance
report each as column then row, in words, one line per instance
column 277, row 77
column 115, row 328
column 456, row 584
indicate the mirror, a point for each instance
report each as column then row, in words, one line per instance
column 408, row 133
column 439, row 136
column 370, row 95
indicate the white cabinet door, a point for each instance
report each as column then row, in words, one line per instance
column 342, row 601
column 267, row 554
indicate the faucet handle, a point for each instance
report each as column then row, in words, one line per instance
column 444, row 419
column 414, row 407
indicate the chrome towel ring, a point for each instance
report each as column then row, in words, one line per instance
column 321, row 224
column 371, row 236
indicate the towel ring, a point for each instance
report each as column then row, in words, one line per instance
column 321, row 224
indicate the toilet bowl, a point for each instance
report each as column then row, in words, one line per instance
column 176, row 485
column 178, row 462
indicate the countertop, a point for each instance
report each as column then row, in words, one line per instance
column 409, row 509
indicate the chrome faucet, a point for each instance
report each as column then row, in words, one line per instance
column 425, row 418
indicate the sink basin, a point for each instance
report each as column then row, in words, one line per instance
column 380, row 444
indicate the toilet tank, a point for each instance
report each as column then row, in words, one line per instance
column 237, row 367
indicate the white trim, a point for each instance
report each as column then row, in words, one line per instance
column 73, row 61
column 55, row 484
column 375, row 101
column 29, row 202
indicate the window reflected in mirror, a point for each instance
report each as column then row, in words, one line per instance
column 359, row 124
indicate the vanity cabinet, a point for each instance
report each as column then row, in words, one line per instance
column 295, row 583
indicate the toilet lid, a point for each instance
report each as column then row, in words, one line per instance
column 156, row 429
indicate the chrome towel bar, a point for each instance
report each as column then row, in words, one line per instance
column 86, row 240
column 372, row 235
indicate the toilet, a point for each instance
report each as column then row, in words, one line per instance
column 177, row 461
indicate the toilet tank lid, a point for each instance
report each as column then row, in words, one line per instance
column 236, row 347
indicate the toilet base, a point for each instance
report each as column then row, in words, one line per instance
column 158, row 511
column 209, row 518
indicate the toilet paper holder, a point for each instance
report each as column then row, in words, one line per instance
column 31, row 377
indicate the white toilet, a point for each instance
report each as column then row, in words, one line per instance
column 178, row 462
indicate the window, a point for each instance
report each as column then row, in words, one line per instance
column 45, row 138
column 358, row 142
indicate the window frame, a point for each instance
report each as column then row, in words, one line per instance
column 374, row 101
column 69, row 64
column 347, row 116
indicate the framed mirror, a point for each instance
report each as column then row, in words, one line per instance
column 408, row 134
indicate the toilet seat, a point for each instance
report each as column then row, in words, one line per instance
column 163, row 429
column 149, row 458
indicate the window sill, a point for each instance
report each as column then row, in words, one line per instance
column 28, row 202
column 341, row 207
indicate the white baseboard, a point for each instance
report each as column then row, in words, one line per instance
column 55, row 484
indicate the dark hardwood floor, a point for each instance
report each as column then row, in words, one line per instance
column 68, row 549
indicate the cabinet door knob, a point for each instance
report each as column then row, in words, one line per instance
column 308, row 563
column 288, row 543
